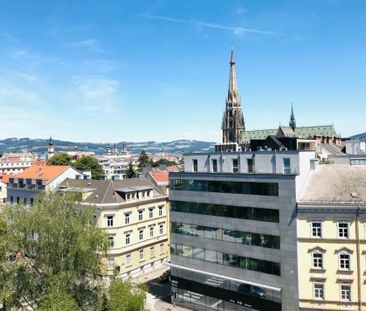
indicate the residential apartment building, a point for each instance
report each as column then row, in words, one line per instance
column 15, row 163
column 3, row 192
column 25, row 186
column 332, row 239
column 133, row 212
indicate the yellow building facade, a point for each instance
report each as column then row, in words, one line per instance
column 134, row 214
column 331, row 235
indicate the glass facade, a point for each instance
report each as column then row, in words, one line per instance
column 257, row 188
column 243, row 212
column 241, row 237
column 226, row 259
column 199, row 291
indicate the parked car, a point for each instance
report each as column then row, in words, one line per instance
column 165, row 277
column 252, row 290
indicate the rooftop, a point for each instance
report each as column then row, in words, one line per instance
column 107, row 191
column 335, row 184
column 40, row 170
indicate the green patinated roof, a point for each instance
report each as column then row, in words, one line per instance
column 301, row 132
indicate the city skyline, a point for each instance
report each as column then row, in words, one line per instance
column 159, row 71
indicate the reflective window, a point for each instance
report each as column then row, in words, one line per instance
column 256, row 188
column 243, row 212
column 226, row 259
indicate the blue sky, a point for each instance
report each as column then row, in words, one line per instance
column 108, row 71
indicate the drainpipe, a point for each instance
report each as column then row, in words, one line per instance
column 358, row 258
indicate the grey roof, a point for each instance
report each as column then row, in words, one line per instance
column 334, row 184
column 107, row 191
column 333, row 149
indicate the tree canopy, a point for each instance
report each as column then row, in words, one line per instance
column 60, row 159
column 130, row 172
column 50, row 259
column 163, row 162
column 52, row 255
column 88, row 163
column 125, row 296
column 143, row 160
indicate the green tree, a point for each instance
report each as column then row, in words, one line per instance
column 130, row 172
column 125, row 296
column 50, row 255
column 60, row 159
column 143, row 160
column 164, row 162
column 89, row 164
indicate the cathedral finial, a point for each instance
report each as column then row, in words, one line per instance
column 232, row 58
column 292, row 122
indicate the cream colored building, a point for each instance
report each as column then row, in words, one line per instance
column 331, row 228
column 134, row 214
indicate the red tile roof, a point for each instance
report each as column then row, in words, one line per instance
column 40, row 170
column 5, row 178
column 160, row 177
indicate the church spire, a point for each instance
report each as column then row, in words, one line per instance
column 233, row 121
column 233, row 93
column 292, row 122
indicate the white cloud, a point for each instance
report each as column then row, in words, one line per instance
column 236, row 30
column 97, row 93
column 88, row 44
column 241, row 10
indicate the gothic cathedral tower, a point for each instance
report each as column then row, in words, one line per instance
column 233, row 121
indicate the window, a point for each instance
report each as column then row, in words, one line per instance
column 141, row 234
column 286, row 166
column 317, row 260
column 141, row 254
column 141, row 215
column 250, row 164
column 128, row 238
column 160, row 210
column 161, row 229
column 128, row 259
column 343, row 230
column 110, row 263
column 151, row 212
column 109, row 221
column 110, row 241
column 318, row 290
column 243, row 212
column 152, row 251
column 127, row 218
column 195, row 165
column 11, row 199
column 235, row 165
column 162, row 248
column 345, row 292
column 239, row 187
column 316, row 229
column 151, row 232
column 227, row 259
column 214, row 165
column 344, row 261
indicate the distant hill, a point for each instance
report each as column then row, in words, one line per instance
column 361, row 136
column 40, row 146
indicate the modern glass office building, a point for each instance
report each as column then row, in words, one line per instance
column 233, row 232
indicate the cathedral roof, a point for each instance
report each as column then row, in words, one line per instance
column 301, row 132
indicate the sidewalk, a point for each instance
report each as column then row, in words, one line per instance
column 150, row 275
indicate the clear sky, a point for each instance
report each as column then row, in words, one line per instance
column 107, row 71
